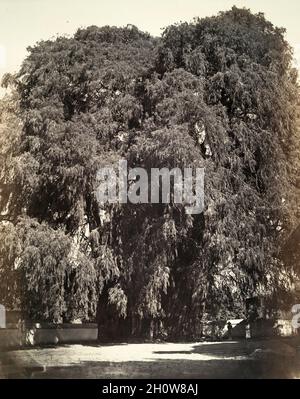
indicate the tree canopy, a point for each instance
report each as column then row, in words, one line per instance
column 218, row 93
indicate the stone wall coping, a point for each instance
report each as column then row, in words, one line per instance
column 52, row 326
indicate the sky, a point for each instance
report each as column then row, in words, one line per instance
column 24, row 22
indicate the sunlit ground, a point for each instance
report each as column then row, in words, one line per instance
column 236, row 359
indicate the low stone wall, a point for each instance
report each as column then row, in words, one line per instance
column 258, row 329
column 49, row 334
column 272, row 328
column 10, row 338
column 285, row 328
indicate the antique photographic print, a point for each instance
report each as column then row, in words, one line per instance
column 149, row 192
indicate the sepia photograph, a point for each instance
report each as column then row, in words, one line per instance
column 149, row 193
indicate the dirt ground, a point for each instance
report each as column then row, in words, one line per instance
column 236, row 359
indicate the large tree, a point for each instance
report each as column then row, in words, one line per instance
column 218, row 93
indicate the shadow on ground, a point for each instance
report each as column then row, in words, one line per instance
column 271, row 359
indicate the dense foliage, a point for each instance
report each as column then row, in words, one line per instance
column 218, row 93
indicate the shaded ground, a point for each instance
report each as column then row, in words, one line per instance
column 238, row 359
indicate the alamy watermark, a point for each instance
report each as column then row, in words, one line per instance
column 138, row 186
